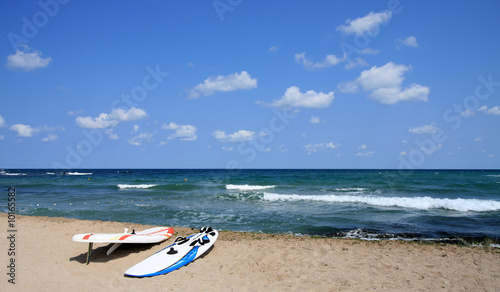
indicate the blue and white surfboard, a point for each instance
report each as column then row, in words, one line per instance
column 176, row 255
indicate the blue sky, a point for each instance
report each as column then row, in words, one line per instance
column 249, row 84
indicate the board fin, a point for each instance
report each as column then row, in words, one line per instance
column 113, row 248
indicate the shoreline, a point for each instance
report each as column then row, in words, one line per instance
column 46, row 258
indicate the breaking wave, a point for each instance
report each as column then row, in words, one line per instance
column 247, row 187
column 143, row 186
column 421, row 203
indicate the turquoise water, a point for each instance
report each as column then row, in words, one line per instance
column 424, row 204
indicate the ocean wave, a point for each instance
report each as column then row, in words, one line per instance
column 247, row 187
column 13, row 173
column 421, row 203
column 78, row 173
column 143, row 186
column 351, row 189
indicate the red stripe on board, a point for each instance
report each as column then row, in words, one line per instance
column 124, row 237
column 169, row 229
column 87, row 236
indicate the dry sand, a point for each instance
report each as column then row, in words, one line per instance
column 47, row 259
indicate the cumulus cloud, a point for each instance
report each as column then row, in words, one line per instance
column 490, row 111
column 236, row 137
column 26, row 131
column 363, row 153
column 355, row 63
column 426, row 129
column 132, row 114
column 101, row 122
column 2, row 122
column 410, row 41
column 27, row 59
column 112, row 119
column 329, row 61
column 369, row 23
column 23, row 130
column 182, row 132
column 314, row 120
column 50, row 137
column 141, row 138
column 229, row 82
column 385, row 85
column 311, row 99
column 312, row 148
column 274, row 49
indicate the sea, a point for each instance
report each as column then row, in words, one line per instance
column 427, row 205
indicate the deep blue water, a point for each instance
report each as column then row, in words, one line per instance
column 425, row 204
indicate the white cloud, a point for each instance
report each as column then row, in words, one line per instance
column 311, row 99
column 329, row 61
column 478, row 139
column 50, row 137
column 183, row 132
column 141, row 138
column 467, row 113
column 75, row 113
column 135, row 128
column 274, row 49
column 2, row 122
column 356, row 63
column 23, row 130
column 365, row 154
column 426, row 129
column 410, row 41
column 26, row 59
column 314, row 120
column 227, row 148
column 132, row 114
column 312, row 148
column 111, row 134
column 230, row 82
column 490, row 111
column 101, row 122
column 369, row 23
column 26, row 131
column 236, row 137
column 105, row 120
column 385, row 85
column 362, row 153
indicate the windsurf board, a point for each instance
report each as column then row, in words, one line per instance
column 180, row 253
column 152, row 235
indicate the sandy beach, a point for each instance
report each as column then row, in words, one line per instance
column 46, row 259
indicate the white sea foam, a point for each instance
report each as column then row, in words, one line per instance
column 79, row 173
column 14, row 173
column 351, row 189
column 143, row 186
column 421, row 203
column 247, row 187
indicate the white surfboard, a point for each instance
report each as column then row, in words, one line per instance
column 152, row 235
column 174, row 256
